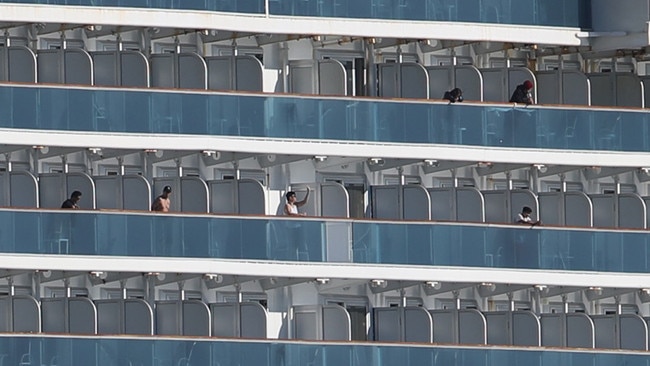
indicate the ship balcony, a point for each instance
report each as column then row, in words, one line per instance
column 89, row 351
column 406, row 123
column 311, row 240
column 557, row 13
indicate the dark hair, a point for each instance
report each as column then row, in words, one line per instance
column 75, row 194
column 527, row 209
column 528, row 84
column 289, row 194
column 167, row 189
column 454, row 95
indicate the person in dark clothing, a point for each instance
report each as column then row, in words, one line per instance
column 71, row 202
column 522, row 93
column 454, row 95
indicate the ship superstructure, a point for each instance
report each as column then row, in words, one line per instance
column 407, row 250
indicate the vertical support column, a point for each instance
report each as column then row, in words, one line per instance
column 240, row 299
column 233, row 65
column 617, row 192
column 147, row 166
column 150, row 279
column 565, row 311
column 4, row 74
column 400, row 192
column 36, row 284
column 371, row 67
column 511, row 320
column 176, row 63
column 454, row 194
column 118, row 60
column 284, row 53
column 6, row 194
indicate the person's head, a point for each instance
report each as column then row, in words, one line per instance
column 167, row 190
column 528, row 85
column 291, row 196
column 457, row 94
column 75, row 196
column 526, row 211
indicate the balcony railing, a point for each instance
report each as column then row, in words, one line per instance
column 562, row 13
column 91, row 351
column 322, row 118
column 322, row 240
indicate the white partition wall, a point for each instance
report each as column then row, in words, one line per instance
column 416, row 203
column 183, row 317
column 444, row 78
column 617, row 89
column 65, row 66
column 54, row 188
column 334, row 200
column 244, row 196
column 408, row 202
column 403, row 80
column 565, row 209
column 621, row 331
column 19, row 313
column 121, row 68
column 189, row 194
column 123, row 192
column 499, row 84
column 234, row 73
column 402, row 324
column 503, row 206
column 124, row 316
column 629, row 90
column 517, row 328
column 17, row 64
column 466, row 326
column 324, row 77
column 632, row 211
column 240, row 320
column 563, row 87
column 575, row 330
column 178, row 70
column 76, row 315
column 320, row 322
column 625, row 210
column 18, row 189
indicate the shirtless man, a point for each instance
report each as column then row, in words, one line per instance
column 162, row 202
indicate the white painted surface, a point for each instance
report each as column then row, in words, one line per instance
column 67, row 14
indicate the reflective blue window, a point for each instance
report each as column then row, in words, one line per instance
column 31, row 350
column 235, row 6
column 314, row 240
column 349, row 119
column 561, row 13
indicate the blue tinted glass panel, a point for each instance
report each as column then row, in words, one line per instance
column 31, row 350
column 98, row 110
column 236, row 6
column 500, row 247
column 564, row 13
column 561, row 13
column 286, row 239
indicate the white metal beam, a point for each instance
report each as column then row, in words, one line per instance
column 309, row 271
column 380, row 28
column 253, row 145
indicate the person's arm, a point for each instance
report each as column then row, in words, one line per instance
column 529, row 98
column 157, row 205
column 305, row 200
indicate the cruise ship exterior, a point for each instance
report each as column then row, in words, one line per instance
column 406, row 248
